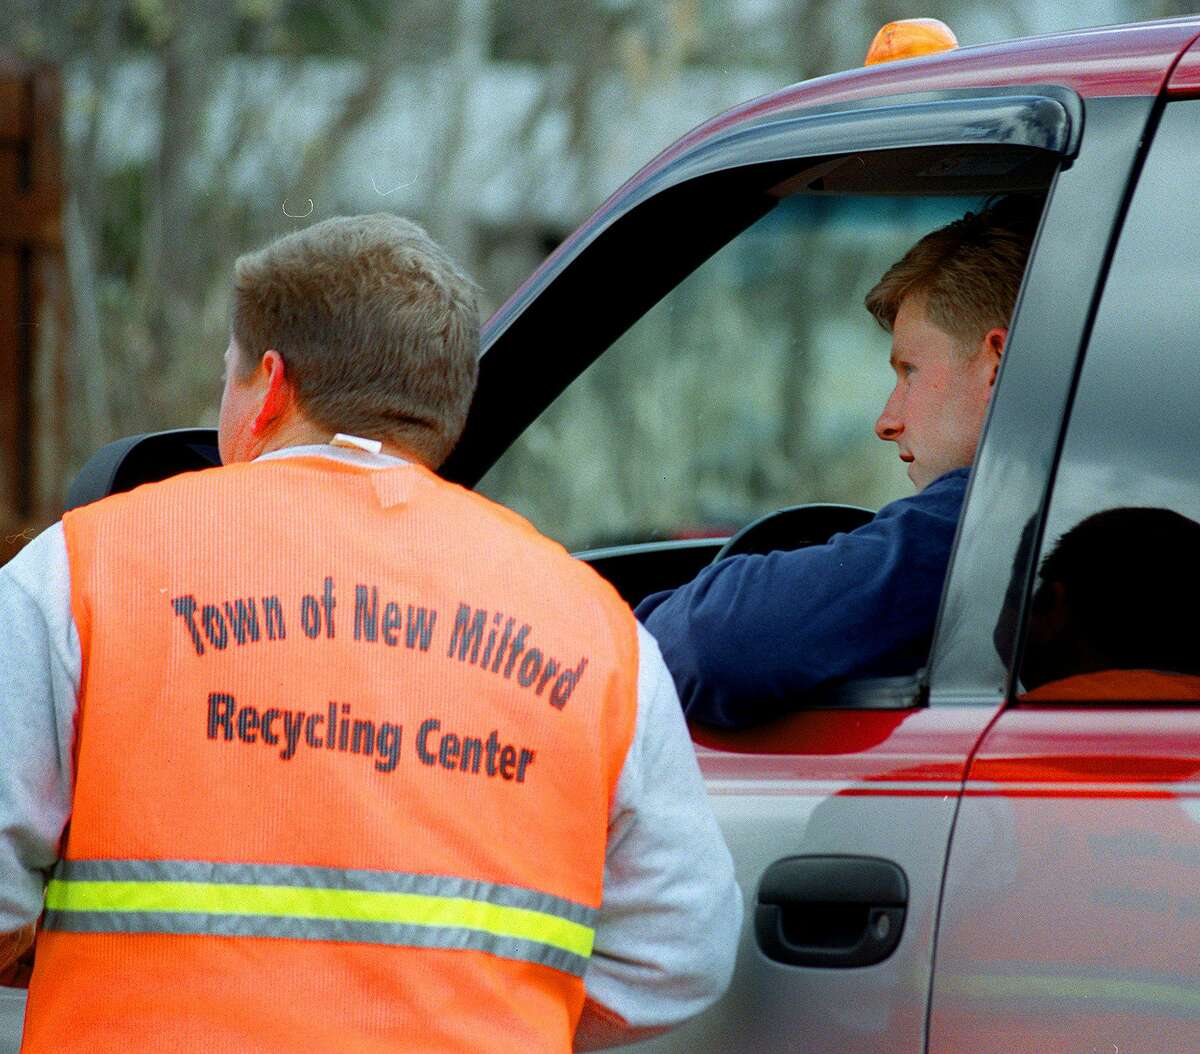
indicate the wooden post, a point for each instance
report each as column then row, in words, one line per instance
column 30, row 241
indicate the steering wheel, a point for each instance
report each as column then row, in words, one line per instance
column 794, row 528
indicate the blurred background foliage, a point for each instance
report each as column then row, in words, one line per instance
column 196, row 129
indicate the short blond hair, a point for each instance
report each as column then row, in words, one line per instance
column 377, row 327
column 968, row 272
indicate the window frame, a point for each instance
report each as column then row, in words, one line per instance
column 644, row 240
column 992, row 563
column 1157, row 224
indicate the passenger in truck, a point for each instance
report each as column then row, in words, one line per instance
column 752, row 636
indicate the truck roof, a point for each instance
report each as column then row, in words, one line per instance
column 1124, row 60
column 1113, row 60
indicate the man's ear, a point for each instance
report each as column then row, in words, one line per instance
column 993, row 346
column 279, row 394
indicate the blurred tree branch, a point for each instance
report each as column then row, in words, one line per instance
column 380, row 62
column 173, row 264
column 445, row 205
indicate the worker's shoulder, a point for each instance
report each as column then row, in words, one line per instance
column 206, row 485
column 173, row 489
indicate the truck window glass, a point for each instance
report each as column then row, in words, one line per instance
column 754, row 384
column 1112, row 610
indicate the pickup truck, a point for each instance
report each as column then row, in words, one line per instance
column 936, row 863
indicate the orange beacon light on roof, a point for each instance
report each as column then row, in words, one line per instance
column 908, row 38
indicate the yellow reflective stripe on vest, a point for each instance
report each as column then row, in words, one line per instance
column 287, row 902
column 188, row 897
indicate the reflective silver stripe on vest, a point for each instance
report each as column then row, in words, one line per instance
column 318, row 903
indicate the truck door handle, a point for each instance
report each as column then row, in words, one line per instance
column 830, row 911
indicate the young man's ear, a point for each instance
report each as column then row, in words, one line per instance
column 993, row 346
column 279, row 394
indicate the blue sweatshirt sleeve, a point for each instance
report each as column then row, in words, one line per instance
column 753, row 634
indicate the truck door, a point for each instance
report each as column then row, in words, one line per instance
column 1071, row 912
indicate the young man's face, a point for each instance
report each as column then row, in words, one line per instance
column 935, row 412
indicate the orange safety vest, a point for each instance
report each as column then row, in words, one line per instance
column 346, row 748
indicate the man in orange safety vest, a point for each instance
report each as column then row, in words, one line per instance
column 317, row 751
